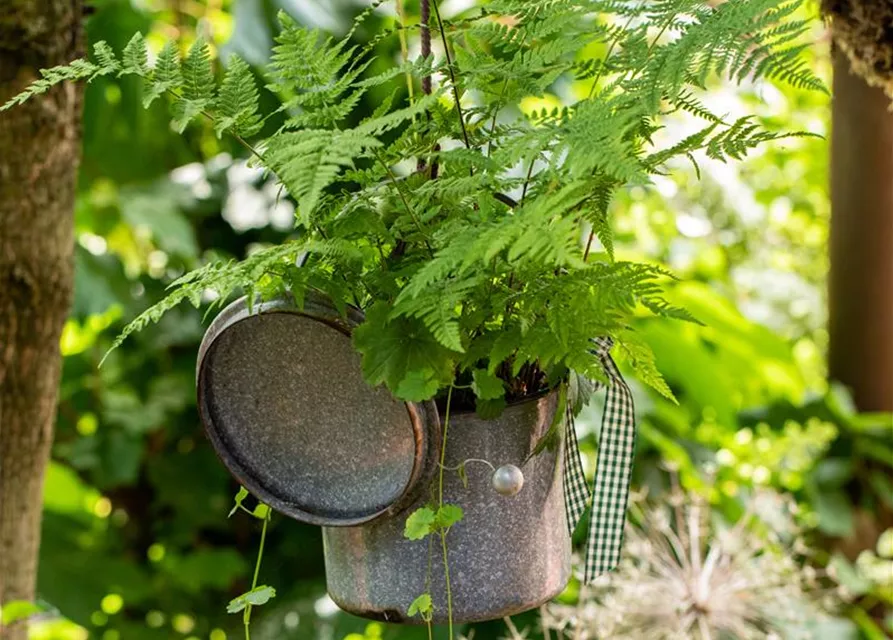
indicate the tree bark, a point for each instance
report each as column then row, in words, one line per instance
column 39, row 155
column 861, row 243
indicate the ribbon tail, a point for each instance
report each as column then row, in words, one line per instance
column 576, row 493
column 616, row 453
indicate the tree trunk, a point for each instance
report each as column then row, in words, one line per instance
column 39, row 154
column 861, row 278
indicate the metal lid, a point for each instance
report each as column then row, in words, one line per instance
column 283, row 400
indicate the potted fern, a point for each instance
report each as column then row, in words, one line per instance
column 467, row 239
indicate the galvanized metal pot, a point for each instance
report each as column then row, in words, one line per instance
column 508, row 554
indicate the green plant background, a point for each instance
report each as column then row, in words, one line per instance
column 136, row 543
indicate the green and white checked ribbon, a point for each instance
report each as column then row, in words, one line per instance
column 616, row 450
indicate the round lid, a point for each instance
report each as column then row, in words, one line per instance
column 283, row 400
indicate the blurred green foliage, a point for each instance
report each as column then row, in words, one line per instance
column 136, row 542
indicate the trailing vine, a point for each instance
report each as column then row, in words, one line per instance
column 436, row 518
column 257, row 595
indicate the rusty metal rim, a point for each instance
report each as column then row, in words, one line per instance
column 423, row 416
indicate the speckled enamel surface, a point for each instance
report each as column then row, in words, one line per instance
column 508, row 555
column 285, row 396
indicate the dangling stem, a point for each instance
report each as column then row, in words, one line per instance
column 443, row 533
column 446, row 426
column 246, row 617
column 446, row 575
column 457, row 467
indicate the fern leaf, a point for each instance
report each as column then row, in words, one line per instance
column 311, row 72
column 166, row 75
column 237, row 102
column 136, row 56
column 198, row 80
column 660, row 307
column 222, row 278
column 641, row 359
column 377, row 125
column 308, row 161
column 76, row 70
column 197, row 87
column 104, row 55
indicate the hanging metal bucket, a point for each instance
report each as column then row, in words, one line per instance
column 508, row 554
column 283, row 401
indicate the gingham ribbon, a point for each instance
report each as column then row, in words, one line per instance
column 616, row 450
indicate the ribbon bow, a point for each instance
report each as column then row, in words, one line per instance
column 616, row 451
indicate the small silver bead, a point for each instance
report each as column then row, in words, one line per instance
column 508, row 480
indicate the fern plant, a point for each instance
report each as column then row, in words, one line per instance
column 490, row 266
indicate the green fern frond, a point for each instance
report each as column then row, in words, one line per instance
column 683, row 147
column 311, row 72
column 105, row 58
column 219, row 278
column 308, row 161
column 743, row 136
column 79, row 69
column 686, row 101
column 641, row 358
column 660, row 307
column 76, row 70
column 136, row 56
column 439, row 309
column 596, row 138
column 166, row 74
column 237, row 102
column 596, row 213
column 197, row 89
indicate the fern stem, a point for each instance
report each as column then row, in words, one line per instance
column 239, row 139
column 589, row 245
column 614, row 41
column 451, row 69
column 527, row 179
column 409, row 210
column 249, row 147
column 498, row 105
column 496, row 109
